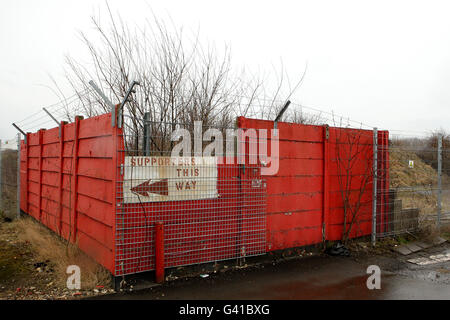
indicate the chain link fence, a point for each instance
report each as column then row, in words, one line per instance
column 419, row 184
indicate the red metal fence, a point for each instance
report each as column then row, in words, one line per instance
column 320, row 168
column 223, row 218
column 195, row 230
column 74, row 180
column 67, row 183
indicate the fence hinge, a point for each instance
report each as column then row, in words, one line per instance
column 327, row 132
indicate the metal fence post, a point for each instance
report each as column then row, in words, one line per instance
column 107, row 101
column 18, row 175
column 159, row 252
column 146, row 134
column 374, row 190
column 439, row 176
column 125, row 100
column 1, row 181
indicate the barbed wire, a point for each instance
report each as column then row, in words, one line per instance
column 267, row 109
column 41, row 119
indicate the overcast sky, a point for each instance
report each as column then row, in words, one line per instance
column 385, row 63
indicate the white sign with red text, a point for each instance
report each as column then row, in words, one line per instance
column 152, row 179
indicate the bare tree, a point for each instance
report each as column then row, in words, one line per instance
column 353, row 152
column 181, row 80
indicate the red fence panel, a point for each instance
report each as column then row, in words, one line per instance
column 67, row 183
column 295, row 193
column 72, row 181
column 195, row 231
column 320, row 169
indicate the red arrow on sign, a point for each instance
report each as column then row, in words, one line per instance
column 160, row 187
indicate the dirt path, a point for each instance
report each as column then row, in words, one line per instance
column 21, row 274
column 33, row 263
column 25, row 274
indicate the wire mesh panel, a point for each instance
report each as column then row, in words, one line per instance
column 418, row 191
column 212, row 207
column 444, row 187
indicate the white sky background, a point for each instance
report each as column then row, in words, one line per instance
column 384, row 63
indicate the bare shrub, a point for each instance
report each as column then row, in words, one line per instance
column 182, row 80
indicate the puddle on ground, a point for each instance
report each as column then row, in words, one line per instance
column 350, row 288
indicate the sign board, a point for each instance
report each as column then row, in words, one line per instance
column 155, row 179
column 411, row 164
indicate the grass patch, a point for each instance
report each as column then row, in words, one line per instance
column 12, row 262
column 8, row 184
column 402, row 240
column 46, row 246
column 445, row 232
